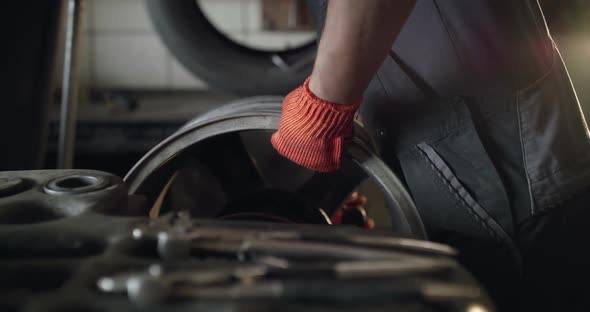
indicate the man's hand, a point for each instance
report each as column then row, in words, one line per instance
column 318, row 116
column 312, row 131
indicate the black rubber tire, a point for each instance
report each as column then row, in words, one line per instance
column 219, row 61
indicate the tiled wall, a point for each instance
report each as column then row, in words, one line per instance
column 120, row 48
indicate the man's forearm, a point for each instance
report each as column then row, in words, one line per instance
column 356, row 39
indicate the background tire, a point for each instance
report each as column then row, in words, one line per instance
column 221, row 62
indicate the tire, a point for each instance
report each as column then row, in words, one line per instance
column 219, row 61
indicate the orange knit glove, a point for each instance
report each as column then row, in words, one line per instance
column 312, row 131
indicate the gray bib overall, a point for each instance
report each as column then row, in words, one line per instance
column 474, row 108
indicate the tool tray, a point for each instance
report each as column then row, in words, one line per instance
column 63, row 231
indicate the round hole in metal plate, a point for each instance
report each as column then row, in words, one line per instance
column 76, row 184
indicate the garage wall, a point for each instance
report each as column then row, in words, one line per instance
column 120, row 49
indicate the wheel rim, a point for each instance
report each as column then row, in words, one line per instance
column 264, row 114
